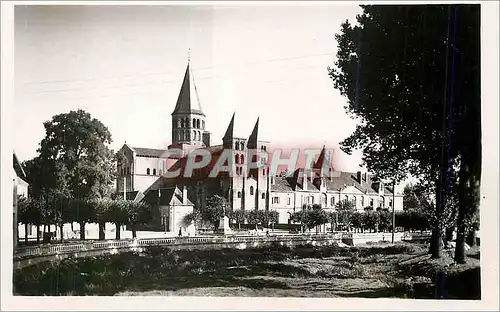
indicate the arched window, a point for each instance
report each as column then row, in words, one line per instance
column 346, row 198
column 203, row 124
column 242, row 146
column 239, row 194
column 371, row 202
column 251, row 190
column 186, row 135
column 362, row 201
column 179, row 123
column 325, row 202
column 179, row 135
column 390, row 203
column 332, row 201
column 186, row 122
column 198, row 123
column 199, row 136
column 236, row 145
column 242, row 159
column 236, row 159
column 128, row 170
column 154, row 171
column 147, row 171
column 194, row 123
column 263, row 195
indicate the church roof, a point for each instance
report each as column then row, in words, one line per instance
column 18, row 167
column 338, row 182
column 188, row 100
column 149, row 152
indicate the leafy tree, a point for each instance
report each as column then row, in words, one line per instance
column 411, row 75
column 82, row 211
column 216, row 207
column 410, row 202
column 269, row 216
column 357, row 220
column 102, row 214
column 75, row 147
column 138, row 213
column 385, row 220
column 345, row 210
column 118, row 213
column 333, row 218
column 239, row 216
column 316, row 216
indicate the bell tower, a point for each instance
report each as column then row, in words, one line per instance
column 188, row 119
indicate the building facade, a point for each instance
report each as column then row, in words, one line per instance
column 142, row 171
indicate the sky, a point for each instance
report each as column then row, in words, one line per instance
column 125, row 64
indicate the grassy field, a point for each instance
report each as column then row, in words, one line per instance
column 401, row 270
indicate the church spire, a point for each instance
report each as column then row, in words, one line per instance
column 252, row 140
column 229, row 132
column 188, row 101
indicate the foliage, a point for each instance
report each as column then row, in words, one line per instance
column 75, row 156
column 216, row 207
column 411, row 75
column 345, row 210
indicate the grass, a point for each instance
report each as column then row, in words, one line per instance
column 403, row 271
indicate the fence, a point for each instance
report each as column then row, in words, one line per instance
column 50, row 250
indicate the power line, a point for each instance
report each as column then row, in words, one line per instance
column 118, row 86
column 171, row 73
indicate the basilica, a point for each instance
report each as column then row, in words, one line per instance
column 142, row 173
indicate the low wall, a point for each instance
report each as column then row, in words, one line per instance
column 31, row 255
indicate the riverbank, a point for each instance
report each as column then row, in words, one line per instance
column 402, row 270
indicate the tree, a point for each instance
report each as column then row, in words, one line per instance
column 139, row 213
column 317, row 217
column 75, row 149
column 333, row 218
column 357, row 221
column 118, row 214
column 410, row 202
column 216, row 207
column 82, row 211
column 239, row 216
column 411, row 88
column 102, row 214
column 345, row 210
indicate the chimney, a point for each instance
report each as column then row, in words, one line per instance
column 360, row 180
column 184, row 195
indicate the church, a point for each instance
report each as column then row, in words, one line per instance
column 142, row 173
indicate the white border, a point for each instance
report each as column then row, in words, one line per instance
column 489, row 193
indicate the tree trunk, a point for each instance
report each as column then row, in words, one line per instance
column 102, row 234
column 471, row 238
column 134, row 231
column 82, row 231
column 25, row 233
column 462, row 208
column 437, row 235
column 61, row 226
column 118, row 228
column 38, row 234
